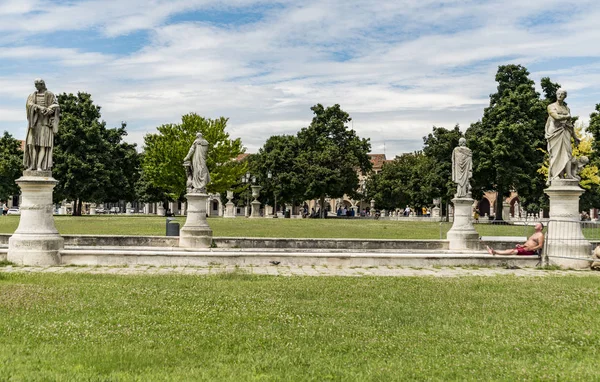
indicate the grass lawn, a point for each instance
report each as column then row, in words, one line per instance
column 240, row 327
column 291, row 228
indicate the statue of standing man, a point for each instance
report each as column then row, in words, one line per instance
column 462, row 169
column 195, row 165
column 559, row 131
column 42, row 118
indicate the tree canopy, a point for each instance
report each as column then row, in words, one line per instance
column 279, row 156
column 91, row 162
column 438, row 145
column 508, row 142
column 11, row 165
column 162, row 161
column 407, row 180
column 331, row 155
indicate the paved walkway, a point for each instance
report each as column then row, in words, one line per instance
column 299, row 271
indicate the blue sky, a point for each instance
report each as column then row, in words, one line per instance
column 398, row 67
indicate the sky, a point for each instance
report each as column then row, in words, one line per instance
column 398, row 67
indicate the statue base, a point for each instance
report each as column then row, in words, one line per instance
column 229, row 210
column 255, row 209
column 196, row 233
column 36, row 240
column 565, row 244
column 462, row 235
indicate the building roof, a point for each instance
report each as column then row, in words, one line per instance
column 241, row 157
column 378, row 160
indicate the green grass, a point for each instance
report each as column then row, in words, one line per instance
column 240, row 327
column 290, row 228
column 286, row 228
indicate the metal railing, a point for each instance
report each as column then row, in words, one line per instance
column 569, row 239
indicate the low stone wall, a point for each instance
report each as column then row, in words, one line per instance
column 350, row 244
column 247, row 258
column 112, row 241
column 275, row 243
column 414, row 218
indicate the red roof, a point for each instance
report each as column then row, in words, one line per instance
column 378, row 160
column 241, row 157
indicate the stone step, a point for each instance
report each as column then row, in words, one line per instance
column 182, row 257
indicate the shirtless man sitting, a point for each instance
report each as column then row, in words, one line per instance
column 535, row 242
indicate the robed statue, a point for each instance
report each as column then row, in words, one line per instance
column 559, row 131
column 42, row 123
column 195, row 165
column 462, row 169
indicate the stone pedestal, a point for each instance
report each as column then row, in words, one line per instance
column 462, row 235
column 160, row 210
column 196, row 232
column 565, row 242
column 435, row 212
column 36, row 240
column 506, row 211
column 92, row 210
column 255, row 209
column 229, row 210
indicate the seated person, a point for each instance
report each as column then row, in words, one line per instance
column 535, row 242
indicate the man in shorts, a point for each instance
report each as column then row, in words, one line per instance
column 535, row 242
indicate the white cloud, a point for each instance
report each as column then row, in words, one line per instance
column 398, row 67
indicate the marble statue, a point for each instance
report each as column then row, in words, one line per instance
column 577, row 164
column 462, row 169
column 559, row 131
column 42, row 118
column 195, row 165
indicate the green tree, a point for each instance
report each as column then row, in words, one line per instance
column 279, row 157
column 331, row 155
column 591, row 198
column 11, row 165
column 508, row 142
column 162, row 162
column 438, row 145
column 91, row 162
column 407, row 180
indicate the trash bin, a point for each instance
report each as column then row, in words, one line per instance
column 172, row 227
column 287, row 214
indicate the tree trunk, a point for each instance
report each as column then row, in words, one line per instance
column 499, row 201
column 79, row 207
column 322, row 204
column 75, row 204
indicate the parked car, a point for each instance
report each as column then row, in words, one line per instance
column 114, row 210
column 14, row 211
column 100, row 211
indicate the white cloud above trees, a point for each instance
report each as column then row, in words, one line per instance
column 398, row 67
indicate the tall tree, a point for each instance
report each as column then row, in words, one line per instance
column 407, row 180
column 91, row 162
column 591, row 198
column 162, row 162
column 279, row 157
column 438, row 145
column 331, row 154
column 11, row 165
column 508, row 142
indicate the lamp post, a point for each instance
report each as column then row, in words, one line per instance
column 363, row 188
column 270, row 175
column 247, row 179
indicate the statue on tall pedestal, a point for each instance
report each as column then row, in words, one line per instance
column 42, row 117
column 195, row 165
column 462, row 169
column 559, row 131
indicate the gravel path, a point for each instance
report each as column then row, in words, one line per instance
column 300, row 271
